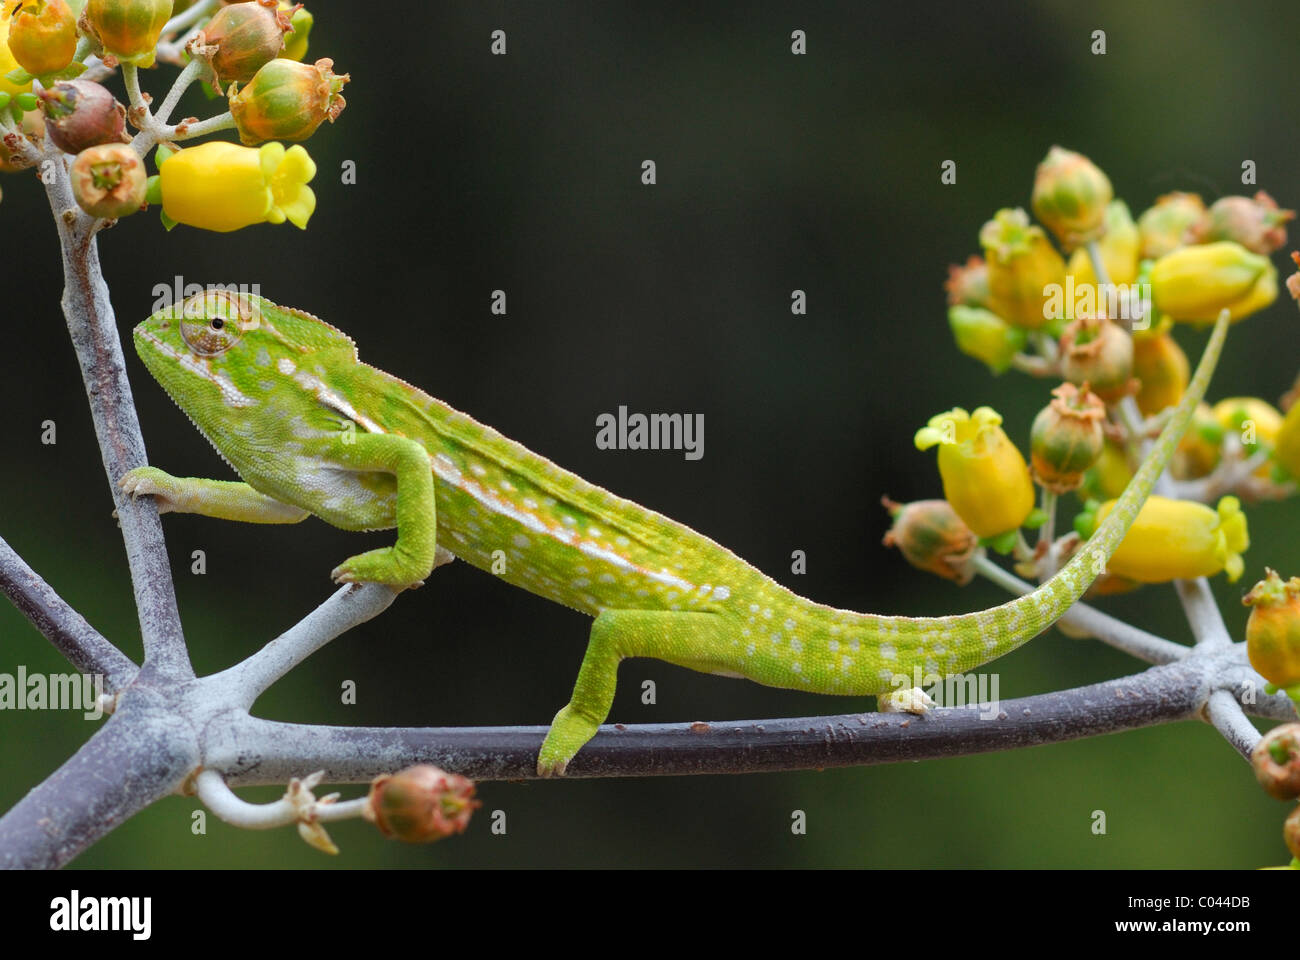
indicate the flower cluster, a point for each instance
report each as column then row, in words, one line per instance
column 1084, row 294
column 251, row 53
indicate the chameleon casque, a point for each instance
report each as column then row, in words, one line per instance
column 311, row 429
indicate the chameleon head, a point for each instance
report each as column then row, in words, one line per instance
column 219, row 352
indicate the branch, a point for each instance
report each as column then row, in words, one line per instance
column 139, row 756
column 84, row 646
column 1229, row 719
column 89, row 314
column 243, row 683
column 252, row 751
column 1203, row 613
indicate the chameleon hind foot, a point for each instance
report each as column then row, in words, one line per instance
column 912, row 700
column 570, row 730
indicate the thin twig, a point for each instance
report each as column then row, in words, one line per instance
column 1230, row 720
column 84, row 646
column 243, row 683
column 1203, row 614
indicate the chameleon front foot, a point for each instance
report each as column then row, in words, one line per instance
column 151, row 482
column 911, row 700
column 384, row 565
column 569, row 732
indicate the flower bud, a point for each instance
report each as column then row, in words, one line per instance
column 421, row 804
column 1256, row 423
column 108, row 181
column 1201, row 446
column 1066, row 438
column 43, row 36
column 1163, row 228
column 985, row 478
column 128, row 30
column 1291, row 834
column 985, row 336
column 300, row 21
column 1022, row 264
column 1161, row 369
column 968, row 285
column 1070, row 197
column 1180, row 539
column 1195, row 283
column 1254, row 222
column 240, row 39
column 7, row 61
column 1273, row 630
column 1286, row 446
column 1107, row 478
column 1276, row 761
column 288, row 101
column 1119, row 250
column 222, row 186
column 933, row 538
column 1100, row 353
column 81, row 114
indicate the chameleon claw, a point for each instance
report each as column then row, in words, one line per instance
column 912, row 700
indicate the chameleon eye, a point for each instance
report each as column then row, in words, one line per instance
column 214, row 321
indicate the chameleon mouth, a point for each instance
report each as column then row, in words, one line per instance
column 160, row 353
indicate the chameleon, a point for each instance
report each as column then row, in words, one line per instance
column 312, row 430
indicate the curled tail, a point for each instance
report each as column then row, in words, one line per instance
column 867, row 653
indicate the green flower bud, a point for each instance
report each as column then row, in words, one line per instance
column 108, row 181
column 128, row 30
column 1022, row 264
column 1163, row 228
column 1066, row 438
column 1070, row 196
column 985, row 336
column 933, row 538
column 286, row 100
column 300, row 22
column 1097, row 352
column 81, row 114
column 1254, row 222
column 240, row 39
column 421, row 804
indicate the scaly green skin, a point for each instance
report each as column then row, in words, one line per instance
column 312, row 430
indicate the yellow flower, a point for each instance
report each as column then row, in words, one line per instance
column 1255, row 421
column 1179, row 539
column 985, row 478
column 7, row 61
column 222, row 186
column 1286, row 448
column 984, row 335
column 1022, row 265
column 1161, row 367
column 1108, row 477
column 1201, row 446
column 300, row 21
column 1163, row 228
column 1119, row 250
column 1273, row 630
column 1195, row 283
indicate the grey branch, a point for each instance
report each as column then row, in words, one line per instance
column 89, row 314
column 1203, row 614
column 1229, row 719
column 84, row 646
column 250, row 751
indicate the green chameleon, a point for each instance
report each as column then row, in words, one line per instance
column 311, row 429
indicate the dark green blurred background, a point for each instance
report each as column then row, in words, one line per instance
column 776, row 172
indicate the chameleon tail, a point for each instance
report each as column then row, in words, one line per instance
column 1002, row 629
column 867, row 653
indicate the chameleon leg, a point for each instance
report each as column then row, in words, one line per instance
column 685, row 639
column 222, row 499
column 408, row 561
